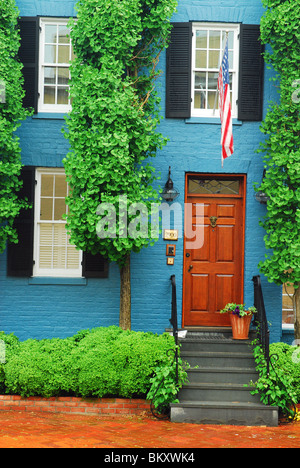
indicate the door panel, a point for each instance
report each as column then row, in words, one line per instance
column 213, row 274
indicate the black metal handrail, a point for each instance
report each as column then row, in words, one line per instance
column 261, row 322
column 174, row 322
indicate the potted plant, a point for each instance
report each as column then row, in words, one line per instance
column 240, row 319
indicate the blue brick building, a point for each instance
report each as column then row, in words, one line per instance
column 40, row 304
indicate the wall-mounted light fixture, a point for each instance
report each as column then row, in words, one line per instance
column 170, row 193
column 260, row 196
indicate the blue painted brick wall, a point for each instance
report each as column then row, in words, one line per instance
column 40, row 311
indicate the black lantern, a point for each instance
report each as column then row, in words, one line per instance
column 169, row 193
column 261, row 197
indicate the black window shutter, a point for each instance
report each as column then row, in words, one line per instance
column 178, row 76
column 251, row 74
column 29, row 56
column 94, row 266
column 20, row 256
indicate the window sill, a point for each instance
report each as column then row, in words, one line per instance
column 39, row 280
column 286, row 327
column 50, row 116
column 210, row 121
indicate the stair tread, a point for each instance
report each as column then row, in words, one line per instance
column 222, row 369
column 216, row 354
column 219, row 385
column 223, row 404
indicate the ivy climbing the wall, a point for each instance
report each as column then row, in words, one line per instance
column 280, row 29
column 112, row 128
column 11, row 113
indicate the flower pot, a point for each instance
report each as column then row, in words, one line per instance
column 240, row 326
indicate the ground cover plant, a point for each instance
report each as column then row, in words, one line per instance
column 93, row 363
column 281, row 386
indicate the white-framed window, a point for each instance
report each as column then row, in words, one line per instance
column 288, row 306
column 55, row 55
column 208, row 44
column 54, row 256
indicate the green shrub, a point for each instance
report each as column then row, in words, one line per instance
column 289, row 362
column 118, row 362
column 41, row 368
column 11, row 343
column 98, row 362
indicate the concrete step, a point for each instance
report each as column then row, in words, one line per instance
column 218, row 359
column 222, row 412
column 217, row 345
column 222, row 375
column 217, row 392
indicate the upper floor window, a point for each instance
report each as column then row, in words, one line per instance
column 55, row 54
column 193, row 62
column 208, row 43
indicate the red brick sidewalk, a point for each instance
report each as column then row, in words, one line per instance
column 19, row 429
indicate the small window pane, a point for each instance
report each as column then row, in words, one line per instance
column 62, row 95
column 201, row 59
column 63, row 34
column 47, row 185
column 46, row 209
column 60, row 186
column 200, row 100
column 212, row 100
column 63, row 76
column 201, row 39
column 215, row 39
column 50, row 54
column 59, row 208
column 214, row 59
column 49, row 95
column 50, row 75
column 200, row 80
column 50, row 33
column 63, row 54
column 213, row 81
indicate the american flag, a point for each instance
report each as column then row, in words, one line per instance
column 225, row 106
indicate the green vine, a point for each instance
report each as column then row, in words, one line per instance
column 113, row 122
column 164, row 388
column 276, row 387
column 281, row 127
column 11, row 113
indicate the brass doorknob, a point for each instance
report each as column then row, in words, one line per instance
column 190, row 268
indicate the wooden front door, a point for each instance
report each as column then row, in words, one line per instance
column 213, row 268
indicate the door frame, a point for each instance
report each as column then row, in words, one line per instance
column 242, row 196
